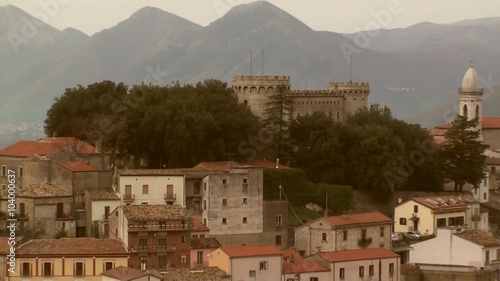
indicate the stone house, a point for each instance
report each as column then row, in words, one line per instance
column 345, row 232
column 68, row 259
column 200, row 248
column 294, row 266
column 99, row 202
column 122, row 273
column 6, row 243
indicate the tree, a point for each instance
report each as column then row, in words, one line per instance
column 278, row 110
column 464, row 153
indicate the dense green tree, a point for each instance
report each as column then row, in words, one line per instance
column 277, row 115
column 464, row 153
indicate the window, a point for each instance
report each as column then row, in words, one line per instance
column 196, row 189
column 441, row 222
column 143, row 241
column 183, row 259
column 484, row 196
column 145, row 189
column 224, row 202
column 371, row 270
column 184, row 239
column 382, row 231
column 278, row 221
column 402, row 221
column 224, row 182
column 204, row 186
column 204, row 204
column 302, row 253
column 485, row 182
column 47, row 269
column 245, row 200
column 224, row 221
column 162, row 261
column 415, row 208
column 361, row 271
column 459, row 221
column 245, row 220
column 60, row 210
column 245, row 102
column 251, row 273
column 323, row 236
column 363, row 234
column 263, row 265
column 313, row 279
column 162, row 242
column 493, row 169
column 342, row 273
column 391, row 268
column 26, row 269
column 4, row 170
column 20, row 171
column 245, row 185
column 202, row 235
column 79, row 269
column 106, row 212
column 163, row 224
column 21, row 210
column 344, row 234
column 278, row 240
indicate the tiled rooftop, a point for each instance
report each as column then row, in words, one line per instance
column 123, row 273
column 38, row 190
column 486, row 123
column 293, row 263
column 45, row 146
column 362, row 254
column 4, row 244
column 350, row 219
column 198, row 226
column 72, row 246
column 481, row 237
column 96, row 194
column 441, row 202
column 150, row 172
column 184, row 274
column 250, row 251
column 204, row 243
column 78, row 166
column 492, row 161
column 154, row 212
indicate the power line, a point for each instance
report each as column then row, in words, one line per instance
column 288, row 201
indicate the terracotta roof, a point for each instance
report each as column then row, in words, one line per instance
column 440, row 142
column 265, row 164
column 293, row 263
column 45, row 146
column 438, row 132
column 154, row 212
column 486, row 123
column 37, row 190
column 198, row 226
column 353, row 255
column 4, row 244
column 250, row 251
column 204, row 243
column 72, row 246
column 350, row 219
column 480, row 237
column 492, row 161
column 78, row 166
column 102, row 194
column 206, row 274
column 150, row 172
column 441, row 202
column 123, row 273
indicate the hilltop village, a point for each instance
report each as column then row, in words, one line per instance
column 71, row 211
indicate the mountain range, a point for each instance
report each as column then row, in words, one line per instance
column 416, row 71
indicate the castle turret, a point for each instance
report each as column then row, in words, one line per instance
column 254, row 90
column 471, row 95
column 355, row 95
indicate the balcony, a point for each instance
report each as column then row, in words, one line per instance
column 128, row 198
column 160, row 227
column 80, row 205
column 364, row 242
column 199, row 264
column 170, row 197
column 155, row 248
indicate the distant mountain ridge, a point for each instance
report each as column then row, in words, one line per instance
column 413, row 70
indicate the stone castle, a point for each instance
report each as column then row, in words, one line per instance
column 337, row 101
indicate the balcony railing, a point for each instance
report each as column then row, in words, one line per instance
column 170, row 197
column 363, row 242
column 80, row 205
column 128, row 198
column 199, row 264
column 155, row 248
column 159, row 227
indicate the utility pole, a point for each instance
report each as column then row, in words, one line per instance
column 251, row 60
column 280, row 187
column 326, row 204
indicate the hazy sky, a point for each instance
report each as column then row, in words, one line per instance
column 91, row 16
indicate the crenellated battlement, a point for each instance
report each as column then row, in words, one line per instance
column 267, row 78
column 348, row 85
column 296, row 93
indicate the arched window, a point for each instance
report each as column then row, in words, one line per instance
column 464, row 114
column 477, row 111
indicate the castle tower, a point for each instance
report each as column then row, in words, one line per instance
column 253, row 90
column 355, row 95
column 471, row 97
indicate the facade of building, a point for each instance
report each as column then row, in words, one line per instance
column 151, row 186
column 448, row 247
column 99, row 202
column 346, row 232
column 67, row 259
column 158, row 236
column 122, row 273
column 426, row 214
column 295, row 267
column 363, row 264
column 200, row 248
column 248, row 262
column 337, row 101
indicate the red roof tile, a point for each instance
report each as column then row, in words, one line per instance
column 439, row 142
column 443, row 202
column 492, row 161
column 72, row 246
column 293, row 263
column 198, row 226
column 343, row 220
column 353, row 255
column 4, row 244
column 486, row 123
column 250, row 251
column 438, row 132
column 45, row 146
column 123, row 273
column 78, row 166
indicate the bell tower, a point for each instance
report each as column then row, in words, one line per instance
column 471, row 95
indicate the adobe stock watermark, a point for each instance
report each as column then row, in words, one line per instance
column 407, row 164
column 155, row 76
column 256, row 144
column 381, row 19
column 30, row 28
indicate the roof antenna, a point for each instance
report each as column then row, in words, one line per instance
column 262, row 61
column 251, row 73
column 350, row 69
column 471, row 64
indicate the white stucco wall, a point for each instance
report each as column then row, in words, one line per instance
column 157, row 188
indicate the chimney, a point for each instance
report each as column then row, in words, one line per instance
column 277, row 163
column 400, row 200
